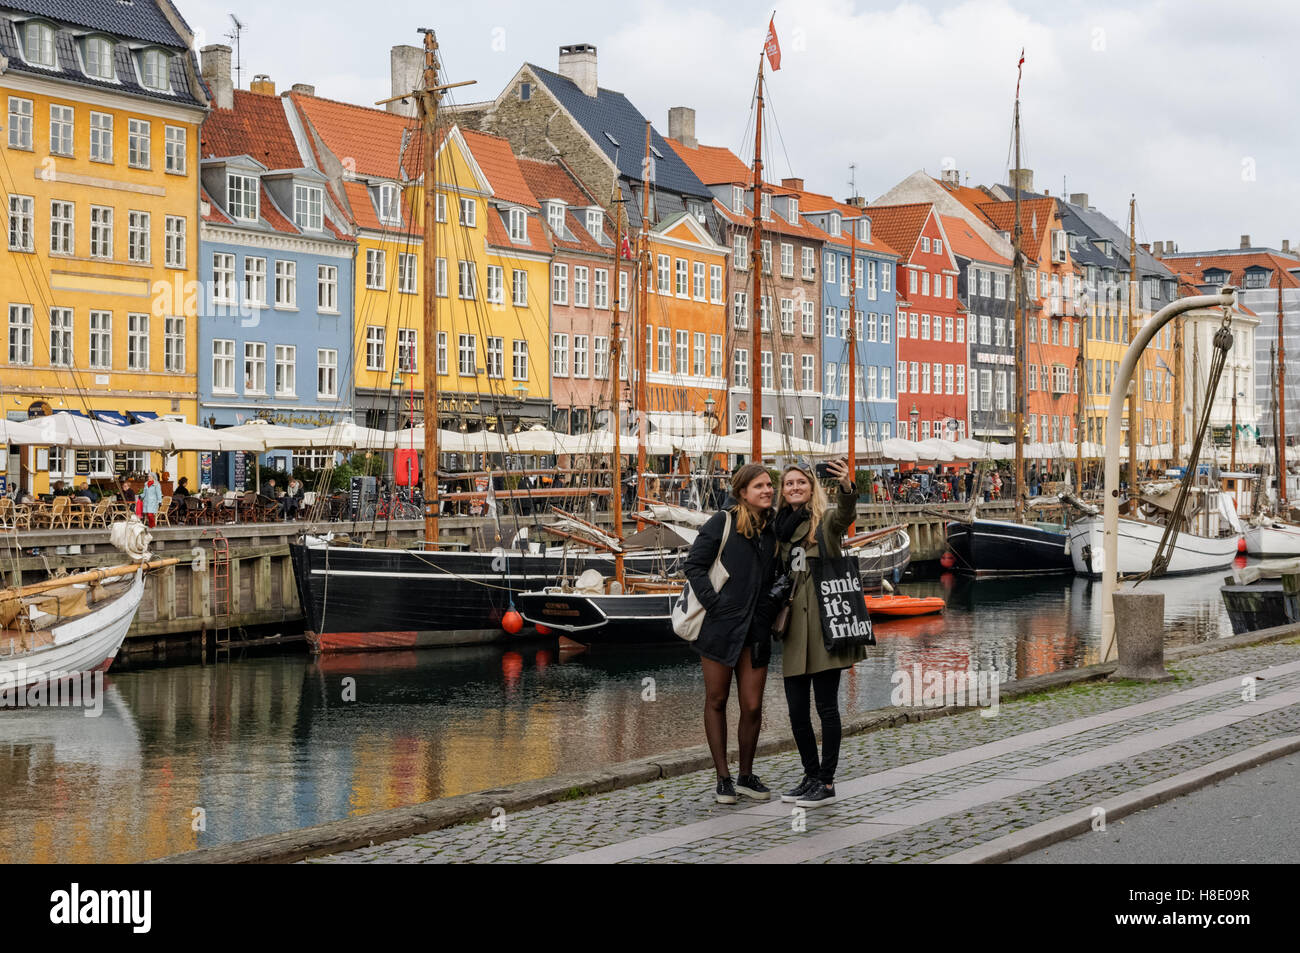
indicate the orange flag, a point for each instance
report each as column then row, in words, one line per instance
column 773, row 46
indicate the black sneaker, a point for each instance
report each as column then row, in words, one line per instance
column 726, row 793
column 816, row 795
column 798, row 790
column 751, row 787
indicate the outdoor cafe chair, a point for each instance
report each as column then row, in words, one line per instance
column 164, row 512
column 15, row 515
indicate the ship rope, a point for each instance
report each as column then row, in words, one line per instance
column 1174, row 524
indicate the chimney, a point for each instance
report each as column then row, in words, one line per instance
column 951, row 177
column 216, row 73
column 796, row 184
column 1245, row 241
column 262, row 85
column 681, row 123
column 1171, row 248
column 1157, row 248
column 1022, row 180
column 857, row 201
column 1146, row 247
column 1079, row 198
column 1286, row 246
column 578, row 63
column 304, row 89
column 406, row 65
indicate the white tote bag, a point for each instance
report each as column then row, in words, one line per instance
column 688, row 612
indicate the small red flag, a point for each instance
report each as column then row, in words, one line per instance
column 773, row 46
column 626, row 250
column 1020, row 68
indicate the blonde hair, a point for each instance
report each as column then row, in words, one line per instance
column 818, row 503
column 749, row 521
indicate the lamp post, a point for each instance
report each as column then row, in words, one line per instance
column 914, row 414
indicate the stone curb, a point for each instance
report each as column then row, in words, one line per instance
column 395, row 823
column 1079, row 822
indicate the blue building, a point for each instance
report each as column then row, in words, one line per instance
column 277, row 273
column 874, row 299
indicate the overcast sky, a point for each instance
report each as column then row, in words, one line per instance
column 1188, row 104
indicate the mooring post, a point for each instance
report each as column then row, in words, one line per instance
column 1140, row 632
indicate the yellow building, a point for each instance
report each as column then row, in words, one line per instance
column 491, row 269
column 99, row 173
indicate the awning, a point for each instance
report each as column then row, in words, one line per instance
column 112, row 417
column 140, row 416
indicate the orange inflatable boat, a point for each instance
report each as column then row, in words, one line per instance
column 891, row 606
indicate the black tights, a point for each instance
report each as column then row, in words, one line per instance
column 717, row 687
column 825, row 687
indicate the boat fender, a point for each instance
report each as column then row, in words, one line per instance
column 512, row 622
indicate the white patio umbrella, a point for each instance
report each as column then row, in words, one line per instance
column 935, row 449
column 772, row 444
column 602, row 441
column 863, row 448
column 70, row 430
column 273, row 437
column 537, row 440
column 899, row 449
column 16, row 432
column 347, row 435
column 177, row 436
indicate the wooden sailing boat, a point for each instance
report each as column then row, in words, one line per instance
column 1270, row 535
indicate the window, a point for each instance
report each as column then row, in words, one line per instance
column 406, row 265
column 174, row 344
column 174, row 253
column 595, row 223
column 698, row 281
column 902, row 325
column 555, row 217
column 101, row 136
column 153, row 69
column 580, row 355
column 740, row 310
column 308, row 207
column 885, row 270
column 174, row 147
column 699, row 355
column 98, row 55
column 740, row 252
column 872, row 384
column 560, row 284
column 925, row 243
column 407, row 350
column 61, row 337
column 468, row 212
column 101, row 340
column 519, row 287
column 255, row 281
column 38, row 44
column 286, row 284
column 787, row 316
column 101, row 232
column 440, row 356
column 137, row 236
column 389, row 210
column 885, row 322
column 376, row 268
column 581, row 286
column 947, row 330
column 914, row 326
column 467, row 355
column 961, row 380
column 947, row 378
column 925, row 378
column 947, row 285
column 60, row 130
column 600, row 358
column 809, row 319
column 519, row 359
column 241, row 195
column 223, row 366
column 830, row 324
column 496, row 360
column 20, row 334
column 787, row 260
column 137, row 342
column 884, row 384
column 902, row 377
column 740, row 368
column 21, row 224
column 518, row 225
column 601, row 286
column 467, row 280
column 496, row 291
column 683, row 352
column 845, row 277
column 622, row 292
column 767, row 369
column 925, row 283
column 767, row 255
column 327, row 373
column 737, row 199
column 911, row 282
column 327, row 288
column 682, row 280
column 375, row 358
column 138, row 137
column 765, row 312
column 787, row 371
column 560, row 355
column 223, row 277
column 715, row 355
column 925, row 327
column 255, row 367
column 439, row 207
column 809, row 263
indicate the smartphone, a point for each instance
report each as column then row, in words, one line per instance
column 823, row 471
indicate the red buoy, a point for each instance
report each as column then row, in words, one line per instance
column 947, row 560
column 512, row 622
column 1241, row 544
column 543, row 629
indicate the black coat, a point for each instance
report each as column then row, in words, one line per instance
column 744, row 604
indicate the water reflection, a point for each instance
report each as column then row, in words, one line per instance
column 267, row 744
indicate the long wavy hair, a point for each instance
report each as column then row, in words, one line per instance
column 817, row 504
column 749, row 521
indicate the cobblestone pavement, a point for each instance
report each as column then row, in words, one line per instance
column 913, row 793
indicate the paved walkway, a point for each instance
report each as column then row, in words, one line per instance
column 920, row 792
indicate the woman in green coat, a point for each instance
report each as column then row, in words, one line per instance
column 809, row 669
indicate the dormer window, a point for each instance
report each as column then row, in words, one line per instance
column 153, row 69
column 737, row 199
column 555, row 216
column 525, row 92
column 835, row 224
column 98, row 54
column 697, row 210
column 308, row 207
column 864, row 230
column 794, row 210
column 38, row 44
column 241, row 196
column 1257, row 278
column 388, row 209
column 595, row 222
column 518, row 225
column 766, row 206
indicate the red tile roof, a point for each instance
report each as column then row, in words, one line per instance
column 272, row 215
column 256, row 126
column 495, row 158
column 1035, row 220
column 365, row 216
column 551, row 180
column 367, row 141
column 499, row 235
column 714, row 165
column 970, row 197
column 963, row 240
column 1194, row 266
column 899, row 226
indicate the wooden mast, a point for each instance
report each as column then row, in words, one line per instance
column 756, row 263
column 1132, row 333
column 853, row 353
column 1178, row 386
column 1232, row 453
column 639, row 326
column 429, row 96
column 1079, row 402
column 1281, row 399
column 1018, row 279
column 616, row 348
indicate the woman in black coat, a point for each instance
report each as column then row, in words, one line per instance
column 735, row 637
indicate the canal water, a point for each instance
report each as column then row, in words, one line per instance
column 193, row 755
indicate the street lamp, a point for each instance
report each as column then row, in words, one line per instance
column 915, row 415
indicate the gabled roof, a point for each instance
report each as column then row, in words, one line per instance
column 714, row 165
column 963, row 241
column 1035, row 221
column 499, row 235
column 899, row 226
column 137, row 20
column 1195, row 264
column 972, row 198
column 371, row 139
column 257, row 127
column 551, row 180
column 365, row 215
column 499, row 165
column 610, row 114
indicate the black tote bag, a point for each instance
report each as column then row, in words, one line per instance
column 844, row 616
